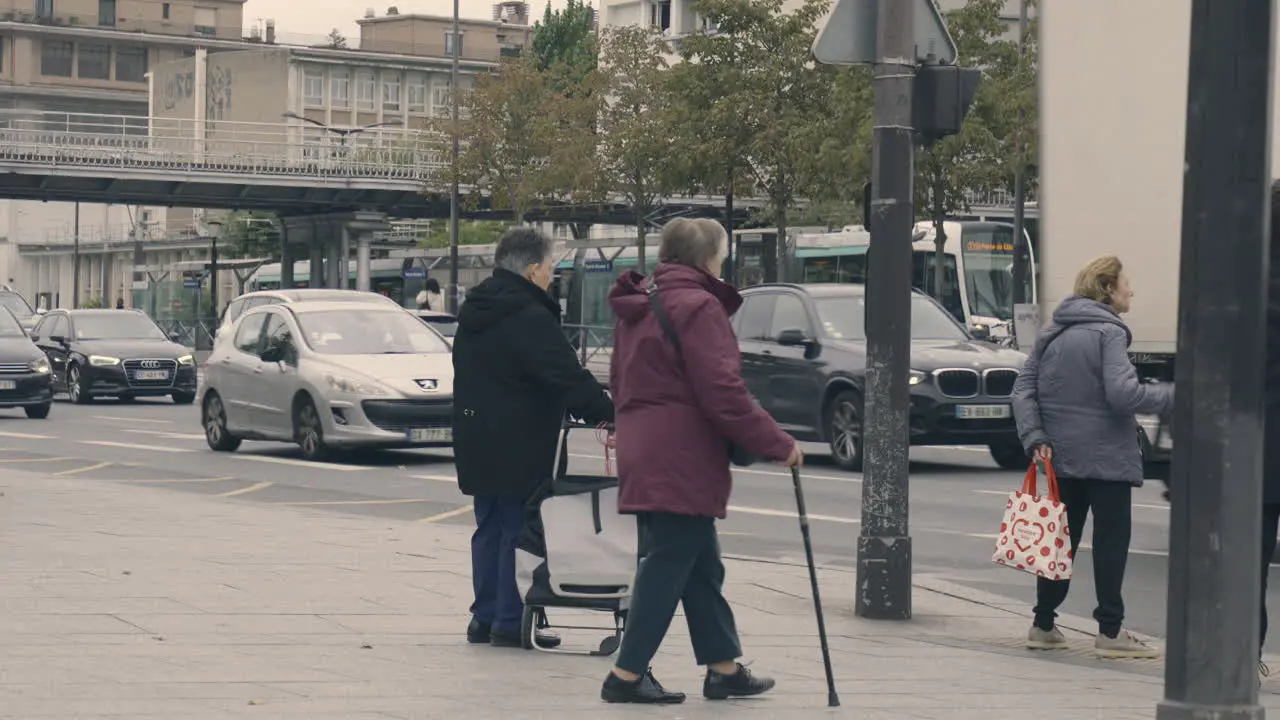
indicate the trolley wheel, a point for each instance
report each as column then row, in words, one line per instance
column 528, row 625
column 609, row 645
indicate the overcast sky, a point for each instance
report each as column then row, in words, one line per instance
column 315, row 18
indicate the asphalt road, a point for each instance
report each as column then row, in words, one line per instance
column 957, row 495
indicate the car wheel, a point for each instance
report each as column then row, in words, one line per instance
column 76, row 391
column 309, row 432
column 38, row 412
column 183, row 398
column 1009, row 455
column 215, row 426
column 844, row 430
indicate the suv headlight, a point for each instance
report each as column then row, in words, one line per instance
column 103, row 361
column 186, row 360
column 354, row 386
column 915, row 378
column 40, row 365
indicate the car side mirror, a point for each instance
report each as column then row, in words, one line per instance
column 272, row 354
column 175, row 336
column 981, row 332
column 58, row 339
column 794, row 338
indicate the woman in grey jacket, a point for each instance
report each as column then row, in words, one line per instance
column 1074, row 403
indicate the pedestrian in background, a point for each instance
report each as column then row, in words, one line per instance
column 430, row 298
column 679, row 409
column 1074, row 404
column 515, row 376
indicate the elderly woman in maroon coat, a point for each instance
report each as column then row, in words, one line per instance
column 681, row 406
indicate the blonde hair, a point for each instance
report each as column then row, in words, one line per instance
column 695, row 243
column 1099, row 279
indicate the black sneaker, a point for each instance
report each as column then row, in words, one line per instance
column 477, row 634
column 644, row 691
column 740, row 684
column 513, row 639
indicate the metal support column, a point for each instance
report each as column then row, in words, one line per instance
column 315, row 267
column 884, row 546
column 1215, row 521
column 286, row 256
column 452, row 301
column 364, row 263
column 75, row 261
column 1022, row 254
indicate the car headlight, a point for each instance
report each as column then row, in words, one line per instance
column 40, row 365
column 103, row 361
column 353, row 386
column 186, row 360
column 915, row 378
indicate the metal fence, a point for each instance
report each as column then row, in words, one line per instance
column 594, row 345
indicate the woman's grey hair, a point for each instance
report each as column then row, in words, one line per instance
column 693, row 242
column 521, row 247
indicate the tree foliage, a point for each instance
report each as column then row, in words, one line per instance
column 470, row 232
column 250, row 234
column 564, row 42
column 335, row 40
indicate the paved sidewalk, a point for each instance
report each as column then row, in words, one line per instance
column 121, row 601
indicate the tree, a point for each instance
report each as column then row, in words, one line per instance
column 564, row 41
column 336, row 40
column 762, row 61
column 635, row 122
column 470, row 232
column 248, row 234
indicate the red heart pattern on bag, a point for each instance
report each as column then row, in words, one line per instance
column 1026, row 535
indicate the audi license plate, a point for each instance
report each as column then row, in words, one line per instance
column 152, row 375
column 8, row 385
column 983, row 412
column 418, row 435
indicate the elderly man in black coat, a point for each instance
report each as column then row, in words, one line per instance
column 515, row 377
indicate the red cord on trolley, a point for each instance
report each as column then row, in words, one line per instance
column 606, row 437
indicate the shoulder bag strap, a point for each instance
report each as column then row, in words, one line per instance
column 663, row 320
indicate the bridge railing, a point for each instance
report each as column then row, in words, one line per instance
column 286, row 148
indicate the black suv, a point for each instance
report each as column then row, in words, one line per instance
column 804, row 358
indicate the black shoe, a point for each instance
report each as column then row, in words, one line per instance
column 644, row 691
column 739, row 684
column 477, row 634
column 510, row 639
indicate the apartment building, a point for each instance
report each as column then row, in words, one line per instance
column 431, row 35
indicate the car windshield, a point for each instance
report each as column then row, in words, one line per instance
column 123, row 325
column 357, row 332
column 9, row 325
column 443, row 324
column 16, row 304
column 844, row 318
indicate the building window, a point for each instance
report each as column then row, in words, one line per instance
column 450, row 41
column 94, row 61
column 1, row 54
column 107, row 13
column 312, row 88
column 44, row 9
column 131, row 64
column 56, row 57
column 417, row 94
column 340, row 89
column 440, row 100
column 206, row 21
column 366, row 86
column 164, row 11
column 660, row 14
column 391, row 92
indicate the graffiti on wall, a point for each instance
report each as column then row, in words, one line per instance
column 219, row 83
column 177, row 87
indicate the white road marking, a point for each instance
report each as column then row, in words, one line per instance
column 26, row 436
column 37, row 460
column 787, row 514
column 132, row 446
column 300, row 463
column 169, row 435
column 1005, row 493
column 85, row 469
column 447, row 514
column 804, row 475
column 175, row 481
column 355, row 502
column 1083, row 546
column 437, row 478
column 247, row 490
column 132, row 420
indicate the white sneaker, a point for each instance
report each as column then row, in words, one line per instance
column 1124, row 645
column 1038, row 639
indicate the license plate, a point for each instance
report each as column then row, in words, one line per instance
column 431, row 435
column 152, row 375
column 8, row 385
column 983, row 412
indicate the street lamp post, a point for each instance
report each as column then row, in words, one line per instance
column 452, row 302
column 216, row 225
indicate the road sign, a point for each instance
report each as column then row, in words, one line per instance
column 191, row 283
column 597, row 265
column 849, row 37
column 415, row 273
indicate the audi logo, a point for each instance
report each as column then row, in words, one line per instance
column 150, row 364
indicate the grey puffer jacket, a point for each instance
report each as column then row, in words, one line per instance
column 1078, row 393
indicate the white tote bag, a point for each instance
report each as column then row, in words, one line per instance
column 1034, row 536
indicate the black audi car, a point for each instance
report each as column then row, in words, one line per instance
column 114, row 353
column 25, row 380
column 804, row 358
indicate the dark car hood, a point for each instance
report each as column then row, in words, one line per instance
column 929, row 355
column 123, row 349
column 18, row 349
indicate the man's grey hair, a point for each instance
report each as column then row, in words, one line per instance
column 521, row 247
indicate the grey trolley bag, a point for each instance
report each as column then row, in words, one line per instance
column 576, row 552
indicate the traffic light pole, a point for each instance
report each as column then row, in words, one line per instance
column 884, row 546
column 1214, row 548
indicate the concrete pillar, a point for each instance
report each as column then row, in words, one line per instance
column 364, row 253
column 344, row 252
column 336, row 265
column 316, row 266
column 286, row 257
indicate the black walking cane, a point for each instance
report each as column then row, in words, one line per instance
column 833, row 700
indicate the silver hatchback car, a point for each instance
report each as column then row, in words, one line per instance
column 329, row 376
